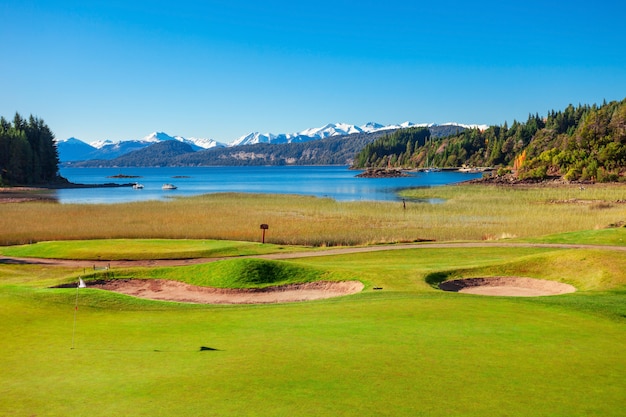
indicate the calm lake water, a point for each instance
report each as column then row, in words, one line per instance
column 336, row 182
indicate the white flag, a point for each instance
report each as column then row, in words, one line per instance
column 81, row 283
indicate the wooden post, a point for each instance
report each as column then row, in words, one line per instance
column 264, row 227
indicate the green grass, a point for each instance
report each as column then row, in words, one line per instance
column 406, row 350
column 587, row 270
column 232, row 273
column 135, row 249
column 386, row 353
column 613, row 236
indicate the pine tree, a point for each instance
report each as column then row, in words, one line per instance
column 28, row 153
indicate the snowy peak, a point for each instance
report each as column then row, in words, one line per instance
column 372, row 127
column 101, row 143
column 196, row 143
column 331, row 129
column 314, row 133
column 479, row 127
column 73, row 149
column 71, row 141
column 158, row 137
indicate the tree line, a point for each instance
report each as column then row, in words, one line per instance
column 578, row 143
column 28, row 152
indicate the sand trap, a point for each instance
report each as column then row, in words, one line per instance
column 156, row 289
column 507, row 286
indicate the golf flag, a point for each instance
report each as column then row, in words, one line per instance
column 81, row 283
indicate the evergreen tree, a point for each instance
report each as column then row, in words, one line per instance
column 28, row 153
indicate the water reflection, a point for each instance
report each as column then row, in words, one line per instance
column 335, row 182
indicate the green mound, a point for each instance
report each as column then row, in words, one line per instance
column 585, row 269
column 248, row 273
column 232, row 273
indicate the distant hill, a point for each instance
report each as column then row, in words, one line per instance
column 74, row 149
column 71, row 150
column 156, row 155
column 330, row 151
column 334, row 150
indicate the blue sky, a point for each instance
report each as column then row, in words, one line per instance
column 111, row 69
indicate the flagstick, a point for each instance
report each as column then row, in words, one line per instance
column 75, row 313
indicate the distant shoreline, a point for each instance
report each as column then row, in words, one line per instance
column 42, row 192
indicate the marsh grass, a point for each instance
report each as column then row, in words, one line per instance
column 469, row 212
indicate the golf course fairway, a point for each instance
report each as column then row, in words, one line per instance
column 401, row 347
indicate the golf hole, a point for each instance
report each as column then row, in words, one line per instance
column 507, row 286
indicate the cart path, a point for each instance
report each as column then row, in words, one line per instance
column 75, row 263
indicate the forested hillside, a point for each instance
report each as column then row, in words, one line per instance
column 578, row 143
column 28, row 153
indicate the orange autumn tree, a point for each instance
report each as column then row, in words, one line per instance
column 519, row 160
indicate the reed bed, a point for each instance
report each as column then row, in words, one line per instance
column 468, row 212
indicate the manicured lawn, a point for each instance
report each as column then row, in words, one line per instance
column 116, row 249
column 406, row 350
column 379, row 354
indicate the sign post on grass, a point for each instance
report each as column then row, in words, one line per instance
column 264, row 227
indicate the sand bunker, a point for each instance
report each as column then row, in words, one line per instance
column 507, row 286
column 165, row 290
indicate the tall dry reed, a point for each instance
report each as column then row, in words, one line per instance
column 468, row 212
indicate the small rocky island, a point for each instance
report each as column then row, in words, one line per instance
column 124, row 176
column 382, row 173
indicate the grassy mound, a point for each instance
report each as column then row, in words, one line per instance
column 251, row 273
column 587, row 270
column 231, row 273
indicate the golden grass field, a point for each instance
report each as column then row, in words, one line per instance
column 468, row 212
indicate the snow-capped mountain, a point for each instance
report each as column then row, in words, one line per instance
column 196, row 143
column 331, row 129
column 102, row 143
column 315, row 133
column 479, row 127
column 74, row 149
column 154, row 137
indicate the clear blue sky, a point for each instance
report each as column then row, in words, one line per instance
column 120, row 69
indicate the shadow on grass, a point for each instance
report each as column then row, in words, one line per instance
column 435, row 278
column 12, row 261
column 202, row 349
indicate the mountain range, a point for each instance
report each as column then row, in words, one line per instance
column 72, row 149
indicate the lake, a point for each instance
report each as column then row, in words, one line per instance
column 337, row 182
